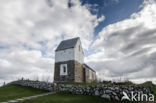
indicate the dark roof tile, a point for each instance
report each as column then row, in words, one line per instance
column 66, row 44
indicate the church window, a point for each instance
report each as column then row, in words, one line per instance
column 63, row 69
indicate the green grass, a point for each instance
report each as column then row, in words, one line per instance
column 101, row 83
column 14, row 91
column 66, row 98
column 81, row 84
column 84, row 84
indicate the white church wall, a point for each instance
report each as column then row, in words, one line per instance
column 64, row 55
column 79, row 56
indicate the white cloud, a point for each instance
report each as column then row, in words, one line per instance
column 23, row 63
column 127, row 48
column 33, row 21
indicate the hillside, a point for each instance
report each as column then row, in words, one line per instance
column 66, row 98
column 14, row 91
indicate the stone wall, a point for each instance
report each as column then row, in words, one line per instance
column 74, row 69
column 34, row 84
column 87, row 76
column 70, row 69
column 108, row 92
column 113, row 92
column 78, row 72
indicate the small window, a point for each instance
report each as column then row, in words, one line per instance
column 63, row 69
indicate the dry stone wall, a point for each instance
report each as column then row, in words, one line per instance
column 112, row 92
column 35, row 84
column 109, row 92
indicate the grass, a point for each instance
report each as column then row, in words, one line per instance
column 66, row 98
column 81, row 84
column 109, row 83
column 14, row 91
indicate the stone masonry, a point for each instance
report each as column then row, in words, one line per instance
column 78, row 72
column 114, row 92
column 35, row 84
column 74, row 72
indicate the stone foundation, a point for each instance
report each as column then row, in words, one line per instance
column 74, row 72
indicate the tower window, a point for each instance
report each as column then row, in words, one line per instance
column 63, row 69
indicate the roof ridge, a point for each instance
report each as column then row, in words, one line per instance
column 88, row 67
column 71, row 39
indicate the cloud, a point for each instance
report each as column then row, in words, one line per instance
column 127, row 48
column 23, row 63
column 31, row 30
column 29, row 22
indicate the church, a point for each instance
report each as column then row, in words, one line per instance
column 69, row 63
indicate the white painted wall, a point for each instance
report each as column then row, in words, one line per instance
column 64, row 55
column 79, row 55
column 70, row 54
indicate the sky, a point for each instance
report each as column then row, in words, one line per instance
column 118, row 37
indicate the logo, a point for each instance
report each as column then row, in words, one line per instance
column 137, row 97
column 125, row 97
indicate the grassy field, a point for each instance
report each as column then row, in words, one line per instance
column 14, row 91
column 66, row 98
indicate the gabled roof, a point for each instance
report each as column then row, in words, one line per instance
column 66, row 44
column 86, row 66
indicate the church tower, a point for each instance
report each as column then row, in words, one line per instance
column 69, row 59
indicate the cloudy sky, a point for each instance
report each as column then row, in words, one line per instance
column 118, row 37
